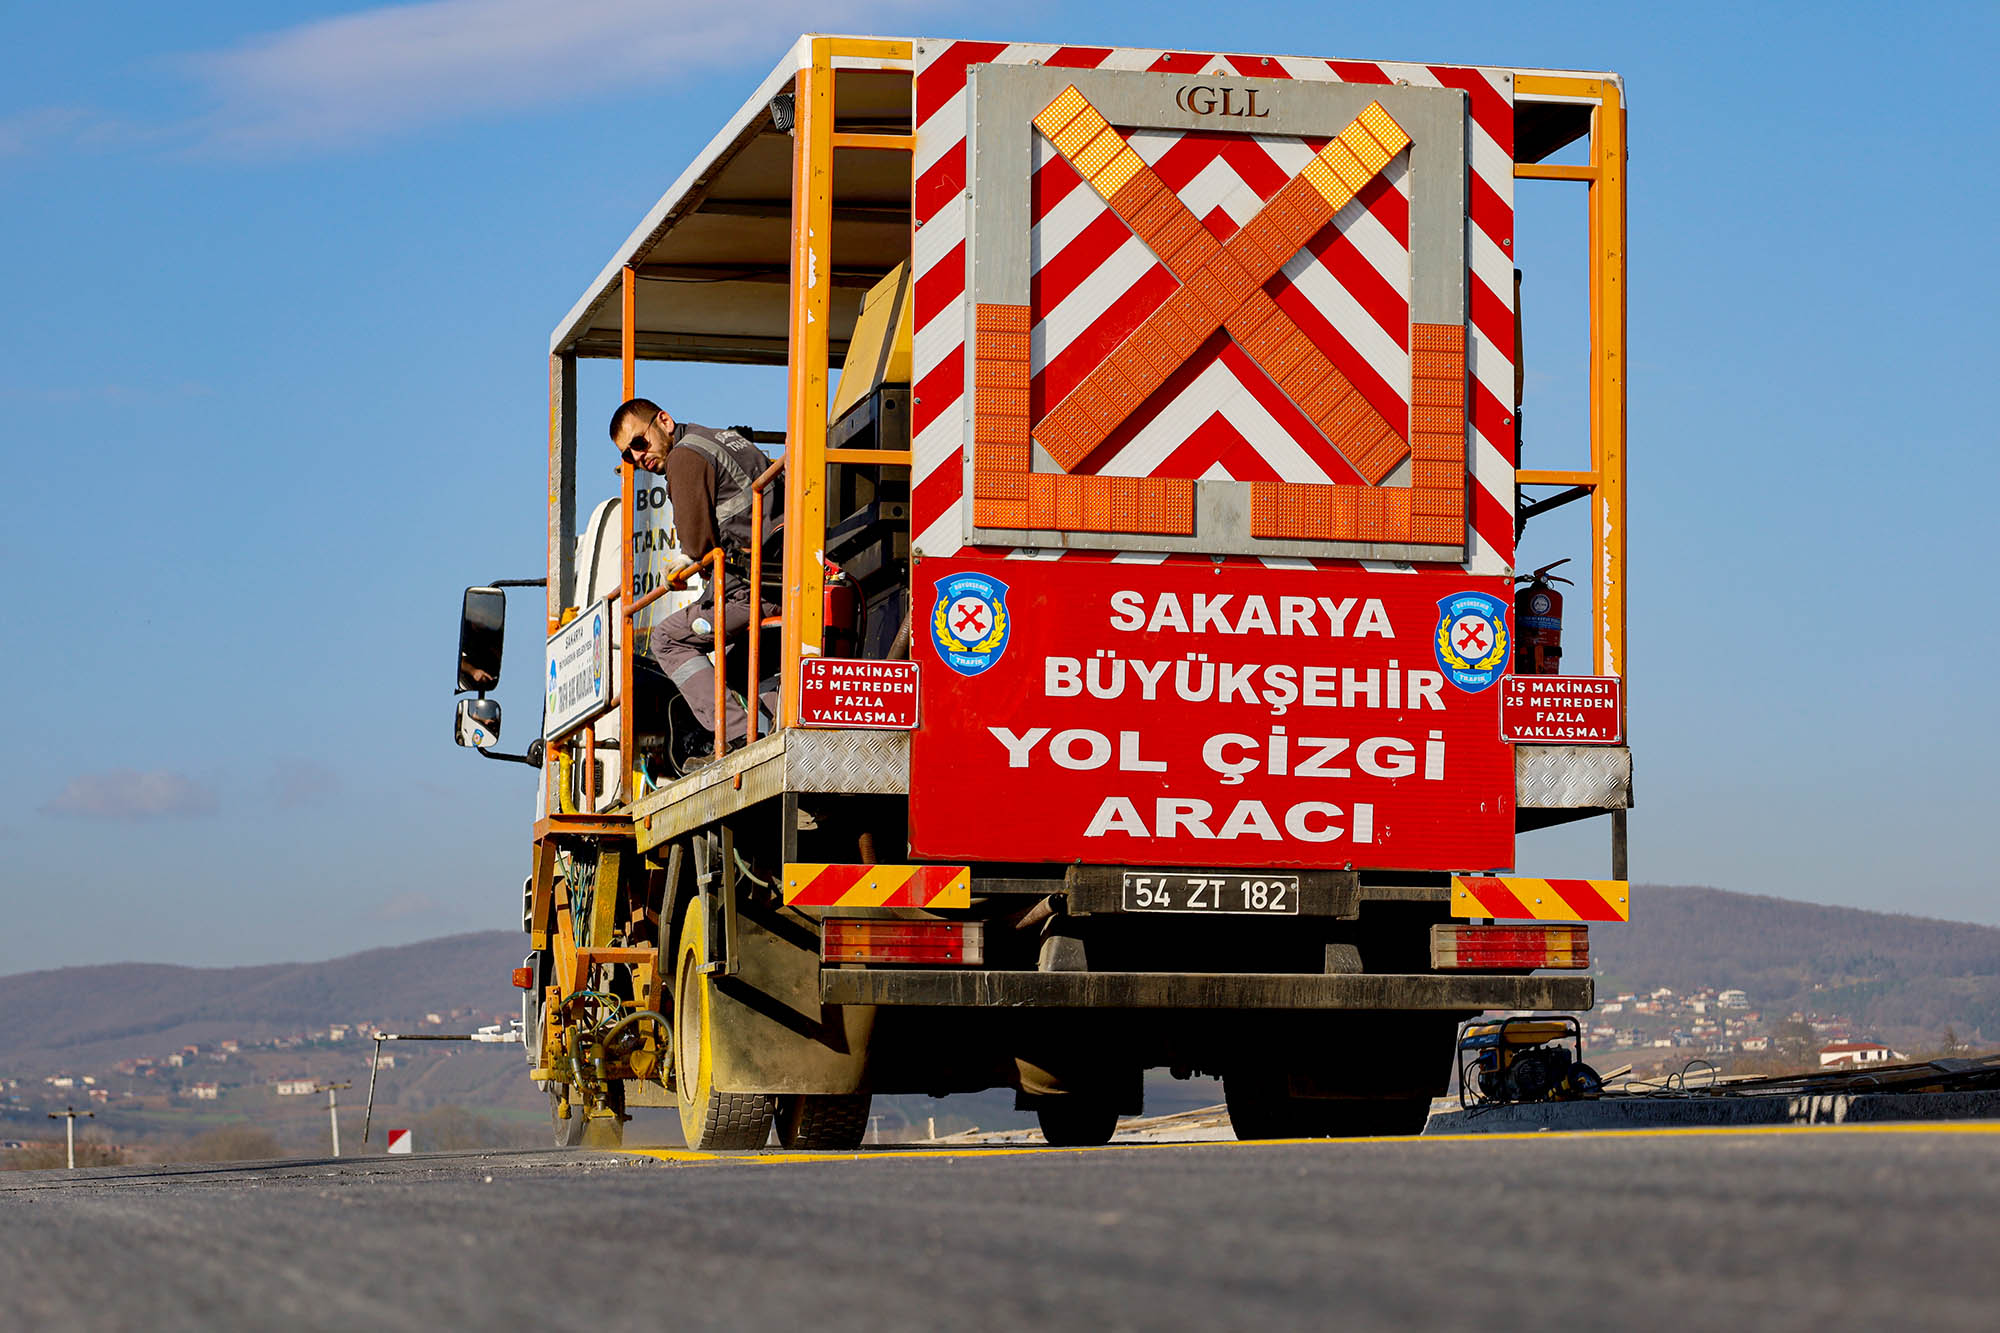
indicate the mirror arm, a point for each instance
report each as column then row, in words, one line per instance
column 519, row 583
column 533, row 758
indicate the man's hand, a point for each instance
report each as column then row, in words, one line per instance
column 679, row 567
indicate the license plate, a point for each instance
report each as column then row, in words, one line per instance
column 1250, row 895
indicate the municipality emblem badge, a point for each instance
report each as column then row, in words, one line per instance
column 970, row 623
column 1471, row 639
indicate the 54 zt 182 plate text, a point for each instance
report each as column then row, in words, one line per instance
column 1251, row 895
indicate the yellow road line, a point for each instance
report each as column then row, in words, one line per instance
column 689, row 1157
column 942, row 1150
column 1667, row 1131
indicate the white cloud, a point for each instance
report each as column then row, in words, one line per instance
column 124, row 793
column 29, row 129
column 297, row 783
column 76, row 127
column 395, row 68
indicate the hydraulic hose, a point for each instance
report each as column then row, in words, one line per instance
column 666, row 1034
column 629, row 1019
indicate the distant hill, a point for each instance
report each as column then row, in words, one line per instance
column 91, row 1016
column 1900, row 977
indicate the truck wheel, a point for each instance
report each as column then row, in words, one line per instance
column 710, row 1120
column 832, row 1122
column 1076, row 1120
column 1261, row 1107
column 569, row 1128
column 1365, row 1117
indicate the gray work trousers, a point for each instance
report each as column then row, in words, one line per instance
column 681, row 644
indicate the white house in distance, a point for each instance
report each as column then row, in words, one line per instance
column 292, row 1087
column 1855, row 1054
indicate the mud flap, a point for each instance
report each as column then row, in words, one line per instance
column 770, row 1029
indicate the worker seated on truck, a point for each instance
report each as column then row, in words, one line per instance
column 709, row 475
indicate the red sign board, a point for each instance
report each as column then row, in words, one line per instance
column 1189, row 713
column 878, row 696
column 1562, row 710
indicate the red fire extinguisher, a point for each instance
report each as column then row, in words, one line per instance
column 1538, row 620
column 840, row 612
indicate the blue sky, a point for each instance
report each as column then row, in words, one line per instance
column 278, row 282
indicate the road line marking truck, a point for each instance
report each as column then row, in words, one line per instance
column 1143, row 529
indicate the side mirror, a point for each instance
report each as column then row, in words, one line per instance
column 482, row 628
column 478, row 723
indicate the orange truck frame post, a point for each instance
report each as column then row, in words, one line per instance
column 982, row 884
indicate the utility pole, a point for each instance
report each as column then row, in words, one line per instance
column 69, row 1114
column 332, row 1091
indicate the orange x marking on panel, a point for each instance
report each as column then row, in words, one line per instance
column 1222, row 285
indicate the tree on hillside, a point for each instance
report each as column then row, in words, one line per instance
column 448, row 1127
column 1949, row 1047
column 52, row 1156
column 1795, row 1042
column 231, row 1143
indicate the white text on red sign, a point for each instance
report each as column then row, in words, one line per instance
column 1186, row 713
column 1571, row 710
column 837, row 692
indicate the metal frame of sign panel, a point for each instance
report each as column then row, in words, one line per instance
column 553, row 729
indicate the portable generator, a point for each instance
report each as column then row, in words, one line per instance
column 1524, row 1059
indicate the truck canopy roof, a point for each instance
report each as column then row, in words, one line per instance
column 713, row 255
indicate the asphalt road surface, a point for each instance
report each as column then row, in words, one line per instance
column 1859, row 1227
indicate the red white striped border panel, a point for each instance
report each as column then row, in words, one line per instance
column 1216, row 188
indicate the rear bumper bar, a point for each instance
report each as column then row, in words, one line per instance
column 1197, row 990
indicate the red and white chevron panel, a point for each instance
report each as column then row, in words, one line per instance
column 1094, row 281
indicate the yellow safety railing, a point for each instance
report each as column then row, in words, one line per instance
column 1604, row 176
column 808, row 358
column 757, row 596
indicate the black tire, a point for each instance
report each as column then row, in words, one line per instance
column 711, row 1121
column 832, row 1122
column 1363, row 1117
column 1075, row 1120
column 1260, row 1107
column 568, row 1129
